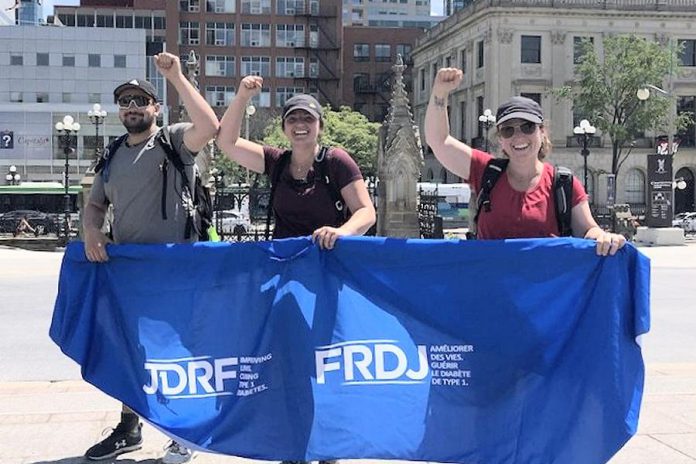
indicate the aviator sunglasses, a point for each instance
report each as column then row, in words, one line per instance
column 526, row 128
column 140, row 101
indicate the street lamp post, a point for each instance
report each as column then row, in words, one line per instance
column 584, row 133
column 219, row 183
column 487, row 119
column 249, row 111
column 96, row 116
column 12, row 176
column 66, row 129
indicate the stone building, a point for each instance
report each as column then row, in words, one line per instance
column 528, row 47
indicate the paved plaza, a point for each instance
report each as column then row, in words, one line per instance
column 48, row 415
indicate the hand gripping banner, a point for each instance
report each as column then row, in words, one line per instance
column 517, row 351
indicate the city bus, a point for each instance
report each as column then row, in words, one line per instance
column 46, row 197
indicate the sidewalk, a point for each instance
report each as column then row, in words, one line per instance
column 55, row 422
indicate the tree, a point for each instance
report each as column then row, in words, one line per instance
column 343, row 128
column 605, row 92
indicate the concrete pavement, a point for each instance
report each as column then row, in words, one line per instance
column 55, row 421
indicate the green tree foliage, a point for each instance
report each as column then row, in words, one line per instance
column 344, row 128
column 606, row 86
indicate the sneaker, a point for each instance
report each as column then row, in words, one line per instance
column 176, row 454
column 122, row 440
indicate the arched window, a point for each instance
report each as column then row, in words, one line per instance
column 634, row 190
column 443, row 175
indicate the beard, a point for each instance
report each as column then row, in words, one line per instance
column 138, row 125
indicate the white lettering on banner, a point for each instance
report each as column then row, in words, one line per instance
column 369, row 362
column 445, row 364
column 203, row 376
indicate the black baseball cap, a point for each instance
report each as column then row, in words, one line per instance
column 140, row 84
column 519, row 108
column 302, row 102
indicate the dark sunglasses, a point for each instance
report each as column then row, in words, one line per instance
column 140, row 101
column 526, row 128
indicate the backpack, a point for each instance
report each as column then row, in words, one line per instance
column 197, row 203
column 562, row 188
column 321, row 170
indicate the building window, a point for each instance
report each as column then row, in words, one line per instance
column 160, row 22
column 462, row 60
column 433, row 71
column 256, row 66
column 687, row 135
column 124, row 22
column 16, row 97
column 531, row 49
column 218, row 95
column 42, row 59
column 256, row 35
column 67, row 97
column 85, row 20
column 405, row 51
column 462, row 120
column 479, row 54
column 290, row 35
column 532, row 96
column 67, row 20
column 383, row 52
column 220, row 34
column 313, row 68
column 217, row 65
column 263, row 99
column 361, row 82
column 288, row 66
column 361, row 52
column 42, row 97
column 688, row 53
column 283, row 93
column 290, row 7
column 220, row 6
column 94, row 98
column 105, row 20
column 634, row 191
column 119, row 61
column 16, row 60
column 94, row 60
column 421, row 79
column 189, row 33
column 192, row 6
column 579, row 47
column 143, row 22
column 479, row 111
column 256, row 7
column 69, row 61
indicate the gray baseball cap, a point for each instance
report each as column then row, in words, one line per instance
column 519, row 108
column 302, row 102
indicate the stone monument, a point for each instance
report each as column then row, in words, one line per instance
column 399, row 164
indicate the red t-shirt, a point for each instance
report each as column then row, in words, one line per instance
column 301, row 207
column 514, row 214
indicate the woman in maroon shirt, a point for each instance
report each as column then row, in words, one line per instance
column 302, row 203
column 523, row 194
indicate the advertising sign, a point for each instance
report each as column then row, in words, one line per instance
column 6, row 139
column 660, row 195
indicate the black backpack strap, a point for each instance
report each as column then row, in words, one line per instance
column 321, row 168
column 491, row 173
column 172, row 156
column 283, row 161
column 105, row 159
column 563, row 196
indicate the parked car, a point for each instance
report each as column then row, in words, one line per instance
column 232, row 221
column 42, row 223
column 686, row 221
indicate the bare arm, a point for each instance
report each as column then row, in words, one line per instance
column 453, row 154
column 239, row 150
column 205, row 123
column 95, row 240
column 363, row 216
column 584, row 225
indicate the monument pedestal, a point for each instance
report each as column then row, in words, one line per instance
column 662, row 236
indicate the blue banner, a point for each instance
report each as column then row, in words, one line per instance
column 516, row 351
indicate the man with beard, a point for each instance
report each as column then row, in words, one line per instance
column 132, row 182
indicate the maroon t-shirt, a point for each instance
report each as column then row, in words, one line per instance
column 530, row 214
column 301, row 207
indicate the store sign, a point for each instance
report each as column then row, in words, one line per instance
column 6, row 139
column 660, row 193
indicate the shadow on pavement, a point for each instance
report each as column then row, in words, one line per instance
column 84, row 460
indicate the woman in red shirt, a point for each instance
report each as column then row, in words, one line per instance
column 523, row 199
